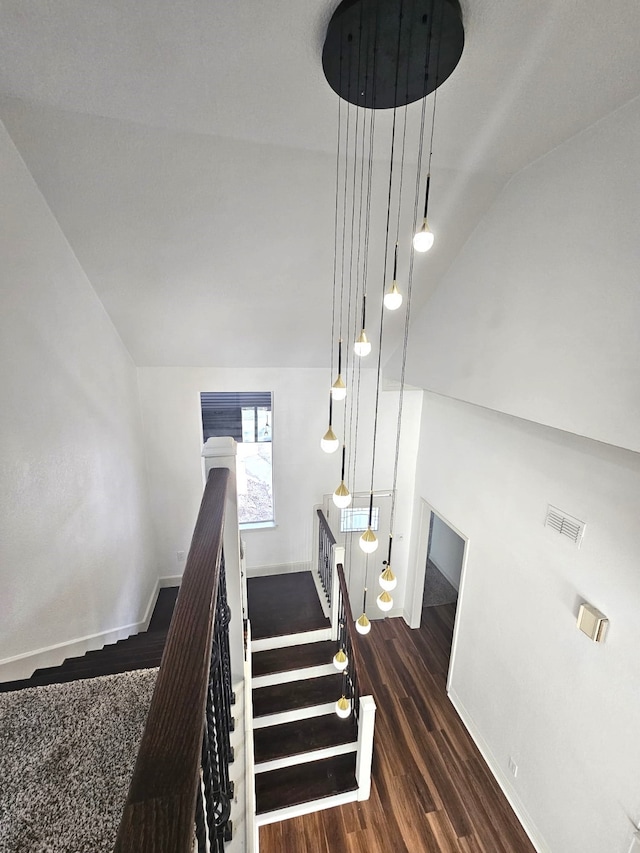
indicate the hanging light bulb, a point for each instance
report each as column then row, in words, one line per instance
column 339, row 389
column 329, row 441
column 368, row 541
column 340, row 660
column 362, row 346
column 387, row 579
column 384, row 601
column 423, row 238
column 363, row 626
column 343, row 707
column 393, row 299
column 342, row 495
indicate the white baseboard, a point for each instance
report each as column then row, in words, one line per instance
column 494, row 766
column 24, row 665
column 280, row 569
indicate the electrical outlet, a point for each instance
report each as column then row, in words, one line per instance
column 180, row 556
column 513, row 767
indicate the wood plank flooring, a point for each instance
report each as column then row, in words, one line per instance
column 431, row 790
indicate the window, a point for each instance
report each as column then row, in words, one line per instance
column 356, row 519
column 245, row 416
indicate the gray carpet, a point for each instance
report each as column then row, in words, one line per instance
column 66, row 758
column 437, row 589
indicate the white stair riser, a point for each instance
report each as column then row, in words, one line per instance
column 293, row 675
column 287, row 640
column 293, row 715
column 305, row 757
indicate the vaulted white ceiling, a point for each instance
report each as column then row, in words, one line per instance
column 187, row 151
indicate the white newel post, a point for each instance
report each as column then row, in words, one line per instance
column 221, row 453
column 364, row 757
column 337, row 556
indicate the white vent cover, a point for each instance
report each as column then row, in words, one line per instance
column 565, row 524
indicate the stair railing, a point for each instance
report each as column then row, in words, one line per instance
column 181, row 785
column 326, row 543
column 358, row 689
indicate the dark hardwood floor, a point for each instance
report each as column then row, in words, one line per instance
column 284, row 604
column 431, row 790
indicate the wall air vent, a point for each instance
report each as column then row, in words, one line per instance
column 565, row 524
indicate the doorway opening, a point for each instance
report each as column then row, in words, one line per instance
column 439, row 579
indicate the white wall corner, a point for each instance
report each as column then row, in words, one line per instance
column 535, row 836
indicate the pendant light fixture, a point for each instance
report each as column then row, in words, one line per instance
column 369, row 541
column 342, row 495
column 343, row 705
column 339, row 389
column 395, row 53
column 329, row 441
column 340, row 660
column 363, row 626
column 393, row 298
column 423, row 238
column 387, row 580
column 362, row 346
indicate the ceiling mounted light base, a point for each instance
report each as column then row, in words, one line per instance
column 431, row 40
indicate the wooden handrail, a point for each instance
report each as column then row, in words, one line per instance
column 159, row 813
column 359, row 666
column 324, row 525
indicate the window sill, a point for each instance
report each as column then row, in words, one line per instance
column 256, row 525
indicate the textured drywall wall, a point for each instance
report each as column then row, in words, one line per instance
column 531, row 684
column 75, row 544
column 170, row 399
column 538, row 315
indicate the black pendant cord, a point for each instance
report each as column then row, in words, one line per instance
column 395, row 262
column 344, row 456
column 386, row 250
column 407, row 319
column 389, row 551
column 330, row 412
column 435, row 101
column 335, row 230
column 370, row 508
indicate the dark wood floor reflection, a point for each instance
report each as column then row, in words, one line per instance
column 431, row 791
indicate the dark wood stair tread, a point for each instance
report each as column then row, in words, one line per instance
column 296, row 694
column 302, row 783
column 293, row 657
column 284, row 604
column 273, row 742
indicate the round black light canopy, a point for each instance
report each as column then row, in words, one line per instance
column 388, row 53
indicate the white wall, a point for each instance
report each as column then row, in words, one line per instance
column 530, row 684
column 170, row 399
column 75, row 548
column 446, row 550
column 538, row 316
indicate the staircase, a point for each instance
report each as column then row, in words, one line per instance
column 305, row 755
column 140, row 651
